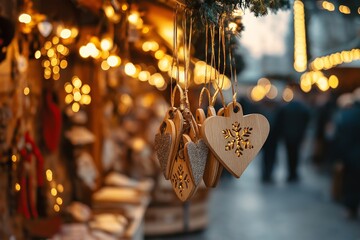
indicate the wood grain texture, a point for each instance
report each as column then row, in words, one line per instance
column 181, row 180
column 235, row 139
column 213, row 168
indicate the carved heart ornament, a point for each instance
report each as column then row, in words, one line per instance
column 235, row 139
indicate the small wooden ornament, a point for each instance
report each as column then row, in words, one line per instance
column 45, row 28
column 164, row 146
column 213, row 168
column 196, row 151
column 235, row 139
column 196, row 154
column 181, row 180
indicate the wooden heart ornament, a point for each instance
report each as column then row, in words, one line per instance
column 196, row 154
column 181, row 179
column 167, row 140
column 213, row 168
column 235, row 139
column 164, row 145
column 45, row 28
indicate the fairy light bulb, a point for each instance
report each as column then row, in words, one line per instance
column 130, row 69
column 25, row 18
column 106, row 44
column 65, row 33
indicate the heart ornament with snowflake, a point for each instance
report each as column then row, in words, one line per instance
column 235, row 139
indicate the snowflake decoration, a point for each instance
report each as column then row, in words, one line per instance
column 238, row 138
column 180, row 179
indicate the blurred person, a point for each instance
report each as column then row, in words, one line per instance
column 293, row 119
column 347, row 137
column 270, row 110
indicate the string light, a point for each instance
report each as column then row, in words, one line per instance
column 288, row 94
column 334, row 59
column 77, row 93
column 300, row 52
column 317, row 78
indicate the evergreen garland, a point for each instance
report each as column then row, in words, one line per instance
column 210, row 11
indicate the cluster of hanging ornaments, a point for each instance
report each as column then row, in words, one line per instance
column 191, row 149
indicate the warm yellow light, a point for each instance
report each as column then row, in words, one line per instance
column 106, row 44
column 155, row 78
column 177, row 73
column 265, row 83
column 154, row 46
column 55, row 40
column 56, row 69
column 305, row 87
column 85, row 89
column 47, row 45
column 134, row 18
column 56, row 76
column 26, row 91
column 50, row 53
column 333, row 81
column 114, row 61
column 232, row 26
column 37, row 54
column 272, row 93
column 56, row 208
column 17, row 187
column 25, row 18
column 144, row 76
column 145, row 30
column 60, row 48
column 76, row 82
column 344, row 9
column 288, row 94
column 258, row 93
column 146, row 46
column 165, row 63
column 323, row 83
column 68, row 87
column 65, row 33
column 85, row 99
column 124, row 7
column 83, row 51
column 53, row 191
column 63, row 64
column 75, row 107
column 69, row 98
column 109, row 11
column 59, row 201
column 49, row 175
column 159, row 54
column 105, row 66
column 77, row 96
column 358, row 10
column 130, row 69
column 13, row 158
column 60, row 188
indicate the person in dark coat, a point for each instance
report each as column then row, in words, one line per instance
column 270, row 110
column 293, row 120
column 347, row 142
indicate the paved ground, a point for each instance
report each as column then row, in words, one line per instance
column 248, row 210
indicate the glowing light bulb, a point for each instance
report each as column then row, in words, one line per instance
column 65, row 33
column 130, row 69
column 25, row 18
column 114, row 61
column 106, row 44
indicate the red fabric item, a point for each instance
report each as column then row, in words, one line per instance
column 52, row 123
column 40, row 160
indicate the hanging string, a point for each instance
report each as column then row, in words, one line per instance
column 234, row 84
column 206, row 52
column 174, row 51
